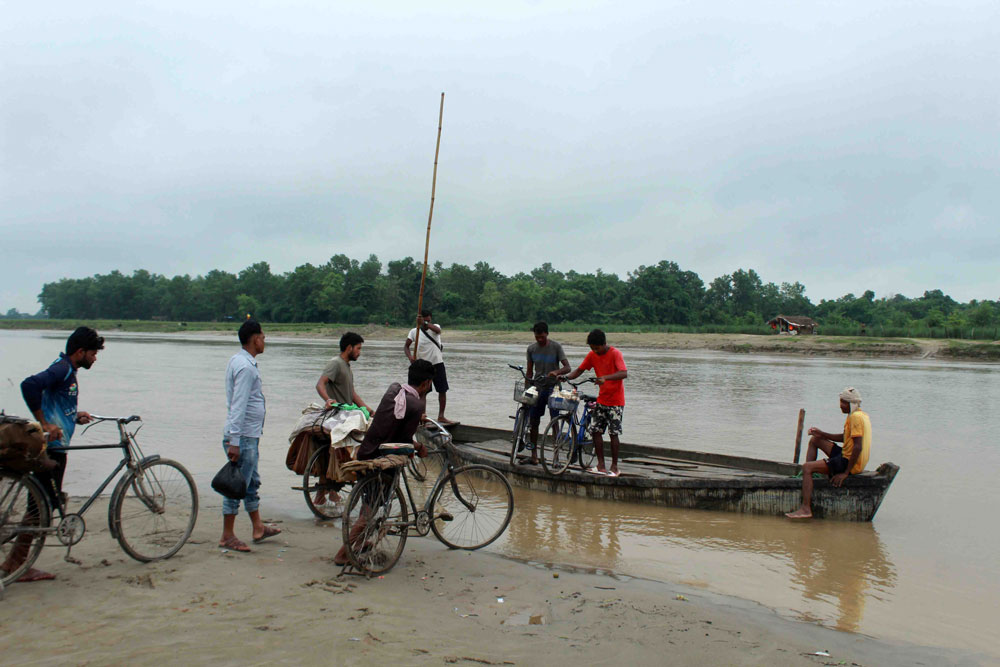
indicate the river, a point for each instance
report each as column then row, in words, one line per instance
column 925, row 571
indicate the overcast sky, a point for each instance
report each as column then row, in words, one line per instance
column 847, row 145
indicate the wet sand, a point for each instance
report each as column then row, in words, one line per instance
column 285, row 603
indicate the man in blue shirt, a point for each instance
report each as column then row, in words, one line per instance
column 51, row 397
column 241, row 437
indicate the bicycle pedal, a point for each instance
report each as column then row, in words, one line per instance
column 446, row 516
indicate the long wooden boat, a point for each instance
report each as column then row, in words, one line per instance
column 689, row 479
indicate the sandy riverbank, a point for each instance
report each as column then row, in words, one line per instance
column 284, row 603
column 831, row 346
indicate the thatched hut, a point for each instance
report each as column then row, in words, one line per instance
column 793, row 324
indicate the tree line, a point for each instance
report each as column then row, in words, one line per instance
column 350, row 291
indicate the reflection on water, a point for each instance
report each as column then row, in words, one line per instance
column 885, row 579
column 833, row 570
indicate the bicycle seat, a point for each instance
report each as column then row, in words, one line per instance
column 398, row 448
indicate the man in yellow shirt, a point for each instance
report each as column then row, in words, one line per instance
column 849, row 460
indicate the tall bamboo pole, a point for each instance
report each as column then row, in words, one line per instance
column 427, row 240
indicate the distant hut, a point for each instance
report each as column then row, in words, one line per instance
column 789, row 324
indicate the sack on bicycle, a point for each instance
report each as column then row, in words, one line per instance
column 22, row 446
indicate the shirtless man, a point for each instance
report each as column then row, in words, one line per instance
column 842, row 462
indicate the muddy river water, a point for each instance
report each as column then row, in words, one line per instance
column 926, row 570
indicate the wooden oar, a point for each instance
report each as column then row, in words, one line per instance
column 798, row 435
column 427, row 241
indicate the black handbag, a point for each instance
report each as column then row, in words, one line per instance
column 230, row 482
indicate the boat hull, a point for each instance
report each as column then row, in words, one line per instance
column 687, row 479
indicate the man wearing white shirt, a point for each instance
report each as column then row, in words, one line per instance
column 430, row 349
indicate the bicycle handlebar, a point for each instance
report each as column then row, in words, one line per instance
column 120, row 420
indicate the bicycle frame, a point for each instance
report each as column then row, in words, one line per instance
column 130, row 459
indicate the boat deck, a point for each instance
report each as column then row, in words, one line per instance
column 632, row 467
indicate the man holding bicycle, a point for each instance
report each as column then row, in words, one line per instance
column 51, row 397
column 395, row 421
column 545, row 356
column 609, row 366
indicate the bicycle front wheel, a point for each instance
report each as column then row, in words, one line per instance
column 557, row 445
column 325, row 498
column 471, row 507
column 155, row 511
column 24, row 516
column 375, row 524
column 517, row 435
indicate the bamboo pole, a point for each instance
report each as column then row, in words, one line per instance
column 427, row 240
column 798, row 435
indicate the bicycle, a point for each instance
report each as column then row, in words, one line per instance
column 468, row 507
column 315, row 482
column 152, row 511
column 567, row 436
column 526, row 400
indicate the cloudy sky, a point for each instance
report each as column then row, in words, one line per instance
column 847, row 145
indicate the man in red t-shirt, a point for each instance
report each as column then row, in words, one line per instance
column 609, row 366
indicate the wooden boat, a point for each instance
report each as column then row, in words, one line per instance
column 694, row 480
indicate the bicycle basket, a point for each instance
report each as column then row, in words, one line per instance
column 564, row 401
column 527, row 396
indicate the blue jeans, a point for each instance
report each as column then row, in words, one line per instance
column 249, row 456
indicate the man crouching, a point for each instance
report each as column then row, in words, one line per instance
column 395, row 421
column 849, row 460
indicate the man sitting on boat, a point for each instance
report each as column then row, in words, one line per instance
column 849, row 460
column 395, row 421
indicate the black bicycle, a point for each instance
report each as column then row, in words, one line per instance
column 467, row 507
column 526, row 394
column 152, row 511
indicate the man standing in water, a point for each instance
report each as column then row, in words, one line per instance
column 544, row 356
column 849, row 460
column 241, row 438
column 51, row 397
column 609, row 366
column 430, row 348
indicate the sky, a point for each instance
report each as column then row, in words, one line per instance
column 845, row 145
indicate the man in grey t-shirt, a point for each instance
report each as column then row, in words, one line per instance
column 336, row 384
column 544, row 355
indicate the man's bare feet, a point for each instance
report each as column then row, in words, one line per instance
column 800, row 513
column 35, row 574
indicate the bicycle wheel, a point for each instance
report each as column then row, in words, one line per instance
column 517, row 435
column 155, row 510
column 585, row 454
column 557, row 445
column 375, row 524
column 331, row 505
column 479, row 503
column 24, row 516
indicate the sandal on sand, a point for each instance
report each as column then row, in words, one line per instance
column 269, row 531
column 35, row 574
column 234, row 544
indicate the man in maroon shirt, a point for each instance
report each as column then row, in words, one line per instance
column 395, row 421
column 609, row 366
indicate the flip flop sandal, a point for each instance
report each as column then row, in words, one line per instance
column 269, row 531
column 234, row 544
